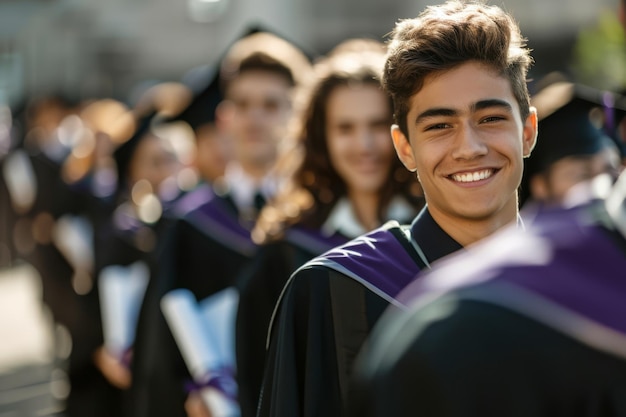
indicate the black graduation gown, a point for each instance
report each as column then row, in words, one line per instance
column 8, row 217
column 204, row 247
column 544, row 336
column 328, row 308
column 122, row 239
column 78, row 313
column 53, row 198
column 260, row 286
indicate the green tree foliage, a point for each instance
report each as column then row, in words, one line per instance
column 600, row 54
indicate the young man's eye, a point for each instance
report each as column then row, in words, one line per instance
column 492, row 119
column 436, row 126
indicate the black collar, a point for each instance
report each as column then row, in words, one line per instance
column 431, row 238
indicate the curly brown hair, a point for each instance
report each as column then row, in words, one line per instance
column 314, row 186
column 445, row 36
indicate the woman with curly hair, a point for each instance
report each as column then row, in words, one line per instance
column 344, row 179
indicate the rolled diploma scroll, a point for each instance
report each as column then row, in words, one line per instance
column 19, row 177
column 205, row 333
column 121, row 291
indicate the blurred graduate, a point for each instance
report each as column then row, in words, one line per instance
column 342, row 180
column 572, row 146
column 209, row 239
column 52, row 232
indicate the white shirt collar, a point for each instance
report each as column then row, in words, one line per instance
column 343, row 220
column 242, row 187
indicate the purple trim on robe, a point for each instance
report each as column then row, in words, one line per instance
column 123, row 221
column 570, row 271
column 588, row 279
column 193, row 199
column 377, row 260
column 313, row 240
column 211, row 215
column 222, row 379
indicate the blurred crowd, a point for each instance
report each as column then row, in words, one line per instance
column 248, row 178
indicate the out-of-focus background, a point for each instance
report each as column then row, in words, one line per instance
column 111, row 48
column 87, row 49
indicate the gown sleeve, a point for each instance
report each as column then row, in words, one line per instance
column 483, row 360
column 261, row 284
column 313, row 343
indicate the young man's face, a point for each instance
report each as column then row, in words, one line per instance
column 259, row 106
column 467, row 141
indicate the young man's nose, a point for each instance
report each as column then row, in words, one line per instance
column 468, row 143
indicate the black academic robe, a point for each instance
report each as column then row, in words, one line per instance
column 537, row 328
column 8, row 217
column 204, row 247
column 260, row 286
column 328, row 308
column 121, row 239
column 76, row 312
column 53, row 199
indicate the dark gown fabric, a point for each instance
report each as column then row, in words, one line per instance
column 30, row 232
column 538, row 328
column 8, row 218
column 203, row 248
column 122, row 239
column 260, row 286
column 328, row 309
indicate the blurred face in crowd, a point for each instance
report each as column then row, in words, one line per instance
column 153, row 160
column 467, row 141
column 259, row 107
column 212, row 146
column 554, row 185
column 357, row 132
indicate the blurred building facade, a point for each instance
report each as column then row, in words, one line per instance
column 88, row 48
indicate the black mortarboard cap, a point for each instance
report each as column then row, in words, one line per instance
column 565, row 124
column 259, row 40
column 124, row 153
column 205, row 85
column 566, row 127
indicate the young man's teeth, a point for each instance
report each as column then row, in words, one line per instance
column 475, row 176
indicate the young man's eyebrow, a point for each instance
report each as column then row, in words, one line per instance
column 448, row 112
column 493, row 102
column 435, row 112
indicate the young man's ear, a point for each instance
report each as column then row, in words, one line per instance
column 529, row 138
column 403, row 148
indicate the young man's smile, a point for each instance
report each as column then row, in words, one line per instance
column 468, row 140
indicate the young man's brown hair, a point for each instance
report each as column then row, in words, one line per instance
column 448, row 35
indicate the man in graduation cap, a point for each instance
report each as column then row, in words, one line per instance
column 45, row 201
column 571, row 146
column 457, row 78
column 208, row 241
column 204, row 116
column 525, row 323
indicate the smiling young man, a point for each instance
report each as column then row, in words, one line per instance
column 463, row 123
